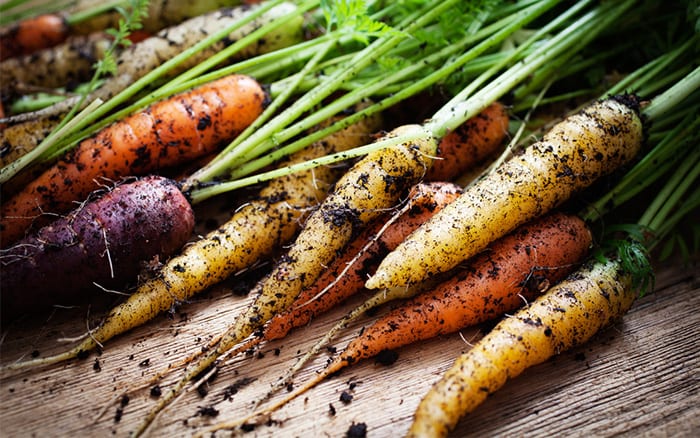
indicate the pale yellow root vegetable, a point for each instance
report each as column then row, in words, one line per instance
column 254, row 231
column 571, row 156
column 373, row 185
column 567, row 315
column 69, row 63
column 13, row 138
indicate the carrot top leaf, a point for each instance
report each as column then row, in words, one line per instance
column 130, row 20
column 352, row 16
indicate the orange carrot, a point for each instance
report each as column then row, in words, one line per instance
column 514, row 268
column 471, row 143
column 170, row 132
column 33, row 34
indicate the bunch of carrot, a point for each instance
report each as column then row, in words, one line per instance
column 75, row 174
column 320, row 211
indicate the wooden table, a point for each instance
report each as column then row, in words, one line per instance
column 640, row 377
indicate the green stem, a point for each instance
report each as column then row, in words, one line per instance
column 448, row 111
column 674, row 188
column 506, row 28
column 250, row 38
column 283, row 97
column 570, row 40
column 690, row 204
column 205, row 192
column 649, row 73
column 673, row 96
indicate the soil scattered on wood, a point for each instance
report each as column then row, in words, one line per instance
column 357, row 430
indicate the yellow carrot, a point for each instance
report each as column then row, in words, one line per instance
column 565, row 316
column 571, row 156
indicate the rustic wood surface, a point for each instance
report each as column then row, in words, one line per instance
column 640, row 377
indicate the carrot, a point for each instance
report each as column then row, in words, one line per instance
column 63, row 65
column 374, row 183
column 518, row 267
column 104, row 241
column 13, row 139
column 345, row 276
column 161, row 14
column 253, row 232
column 170, row 132
column 471, row 143
column 514, row 268
column 571, row 156
column 33, row 34
column 567, row 315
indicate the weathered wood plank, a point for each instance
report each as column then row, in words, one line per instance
column 640, row 377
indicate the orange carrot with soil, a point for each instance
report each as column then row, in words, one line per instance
column 168, row 133
column 103, row 242
column 513, row 269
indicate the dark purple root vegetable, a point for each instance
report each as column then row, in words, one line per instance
column 105, row 242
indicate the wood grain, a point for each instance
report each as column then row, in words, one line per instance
column 639, row 377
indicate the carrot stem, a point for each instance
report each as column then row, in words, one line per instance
column 457, row 110
column 671, row 97
column 494, row 33
column 578, row 34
